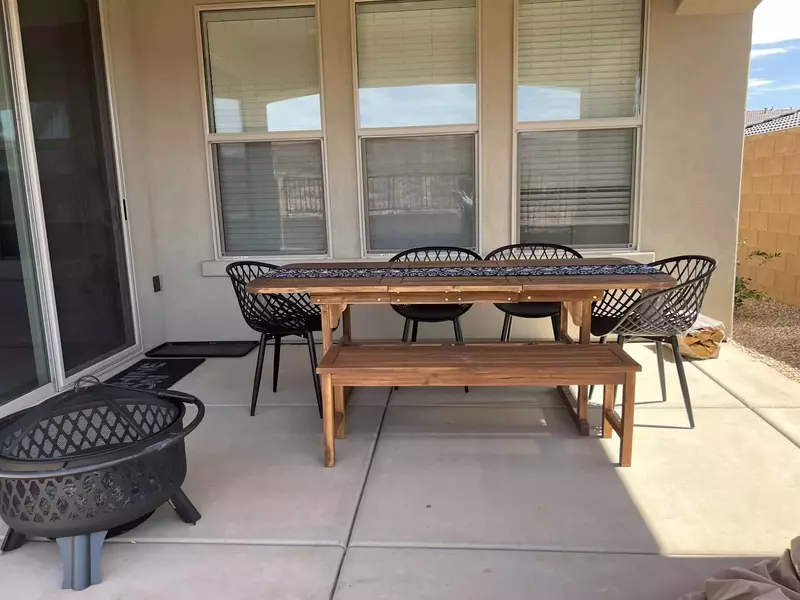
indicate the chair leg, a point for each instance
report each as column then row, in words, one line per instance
column 312, row 355
column 505, row 334
column 591, row 388
column 556, row 321
column 660, row 357
column 682, row 376
column 414, row 329
column 276, row 364
column 459, row 338
column 262, row 346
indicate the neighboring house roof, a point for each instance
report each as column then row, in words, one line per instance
column 765, row 114
column 779, row 123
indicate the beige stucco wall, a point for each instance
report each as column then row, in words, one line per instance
column 694, row 118
column 770, row 213
column 690, row 176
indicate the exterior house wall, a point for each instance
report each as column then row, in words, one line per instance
column 694, row 118
column 770, row 213
column 123, row 65
column 690, row 162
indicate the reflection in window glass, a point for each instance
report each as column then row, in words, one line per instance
column 23, row 351
column 261, row 69
column 575, row 187
column 419, row 191
column 272, row 198
column 578, row 59
column 416, row 63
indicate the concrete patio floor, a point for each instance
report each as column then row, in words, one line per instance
column 438, row 494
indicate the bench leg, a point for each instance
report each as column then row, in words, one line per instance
column 608, row 404
column 626, row 443
column 339, row 405
column 328, row 419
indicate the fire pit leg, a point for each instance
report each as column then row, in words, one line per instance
column 12, row 541
column 184, row 507
column 80, row 559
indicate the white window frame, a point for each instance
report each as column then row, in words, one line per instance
column 636, row 123
column 318, row 135
column 414, row 131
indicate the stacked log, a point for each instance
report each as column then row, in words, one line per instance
column 701, row 343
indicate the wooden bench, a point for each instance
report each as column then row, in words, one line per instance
column 487, row 364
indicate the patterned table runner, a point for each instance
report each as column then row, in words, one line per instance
column 527, row 271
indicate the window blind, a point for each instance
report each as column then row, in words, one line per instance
column 416, row 63
column 420, row 191
column 262, row 70
column 578, row 59
column 272, row 198
column 415, row 43
column 575, row 187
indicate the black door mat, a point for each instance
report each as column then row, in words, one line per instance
column 201, row 349
column 156, row 374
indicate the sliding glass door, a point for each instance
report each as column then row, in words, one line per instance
column 72, row 131
column 65, row 293
column 23, row 351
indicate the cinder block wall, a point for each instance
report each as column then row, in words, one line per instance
column 769, row 216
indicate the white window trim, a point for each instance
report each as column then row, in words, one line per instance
column 414, row 131
column 267, row 136
column 636, row 123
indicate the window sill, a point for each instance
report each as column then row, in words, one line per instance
column 216, row 268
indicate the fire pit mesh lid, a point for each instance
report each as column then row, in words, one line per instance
column 85, row 421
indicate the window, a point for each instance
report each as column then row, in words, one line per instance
column 265, row 130
column 417, row 107
column 578, row 121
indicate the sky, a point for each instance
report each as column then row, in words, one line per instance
column 775, row 56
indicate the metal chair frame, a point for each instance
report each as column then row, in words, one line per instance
column 275, row 316
column 661, row 316
column 433, row 253
column 532, row 251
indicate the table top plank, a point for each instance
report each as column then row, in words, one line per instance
column 333, row 286
column 438, row 358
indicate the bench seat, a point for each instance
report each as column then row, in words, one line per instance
column 484, row 364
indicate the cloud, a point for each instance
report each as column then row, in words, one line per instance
column 759, row 82
column 776, row 21
column 767, row 52
column 784, row 88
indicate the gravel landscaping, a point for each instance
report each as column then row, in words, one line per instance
column 770, row 330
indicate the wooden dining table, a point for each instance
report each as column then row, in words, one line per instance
column 574, row 283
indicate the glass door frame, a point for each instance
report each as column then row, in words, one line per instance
column 59, row 379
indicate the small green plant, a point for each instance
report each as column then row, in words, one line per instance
column 743, row 289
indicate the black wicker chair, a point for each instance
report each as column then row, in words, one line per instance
column 433, row 313
column 531, row 310
column 659, row 316
column 275, row 316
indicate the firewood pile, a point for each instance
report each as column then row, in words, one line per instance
column 703, row 340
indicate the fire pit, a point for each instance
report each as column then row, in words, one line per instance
column 100, row 458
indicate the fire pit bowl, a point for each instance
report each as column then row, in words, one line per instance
column 89, row 461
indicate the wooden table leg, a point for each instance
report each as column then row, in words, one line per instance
column 328, row 418
column 586, row 322
column 626, row 443
column 563, row 323
column 347, row 338
column 577, row 405
column 330, row 318
column 583, row 390
column 608, row 405
column 347, row 330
